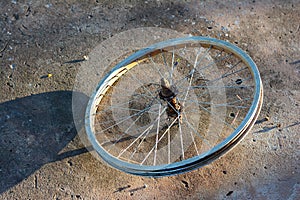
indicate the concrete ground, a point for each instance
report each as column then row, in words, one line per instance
column 41, row 154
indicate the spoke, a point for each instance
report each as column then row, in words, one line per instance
column 122, row 103
column 125, row 132
column 214, row 62
column 181, row 140
column 193, row 129
column 211, row 81
column 126, row 93
column 121, row 118
column 154, row 64
column 142, row 140
column 229, row 104
column 169, row 147
column 173, row 65
column 236, row 64
column 205, row 109
column 157, row 131
column 226, row 75
column 206, row 66
column 124, row 150
column 191, row 79
column 124, row 119
column 179, row 82
column 173, row 122
column 225, row 86
column 202, row 57
column 195, row 146
column 118, row 106
column 165, row 63
column 196, row 64
column 132, row 109
column 142, row 84
column 139, row 111
column 233, row 102
column 230, row 85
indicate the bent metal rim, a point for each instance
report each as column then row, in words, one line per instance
column 190, row 163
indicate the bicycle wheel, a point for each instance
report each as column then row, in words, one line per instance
column 174, row 106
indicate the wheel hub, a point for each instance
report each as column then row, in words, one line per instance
column 168, row 93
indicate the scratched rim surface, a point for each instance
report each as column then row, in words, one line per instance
column 217, row 85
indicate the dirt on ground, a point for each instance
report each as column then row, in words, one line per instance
column 41, row 154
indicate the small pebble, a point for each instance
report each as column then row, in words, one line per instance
column 229, row 193
column 185, row 183
column 48, row 5
column 12, row 66
column 47, row 76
